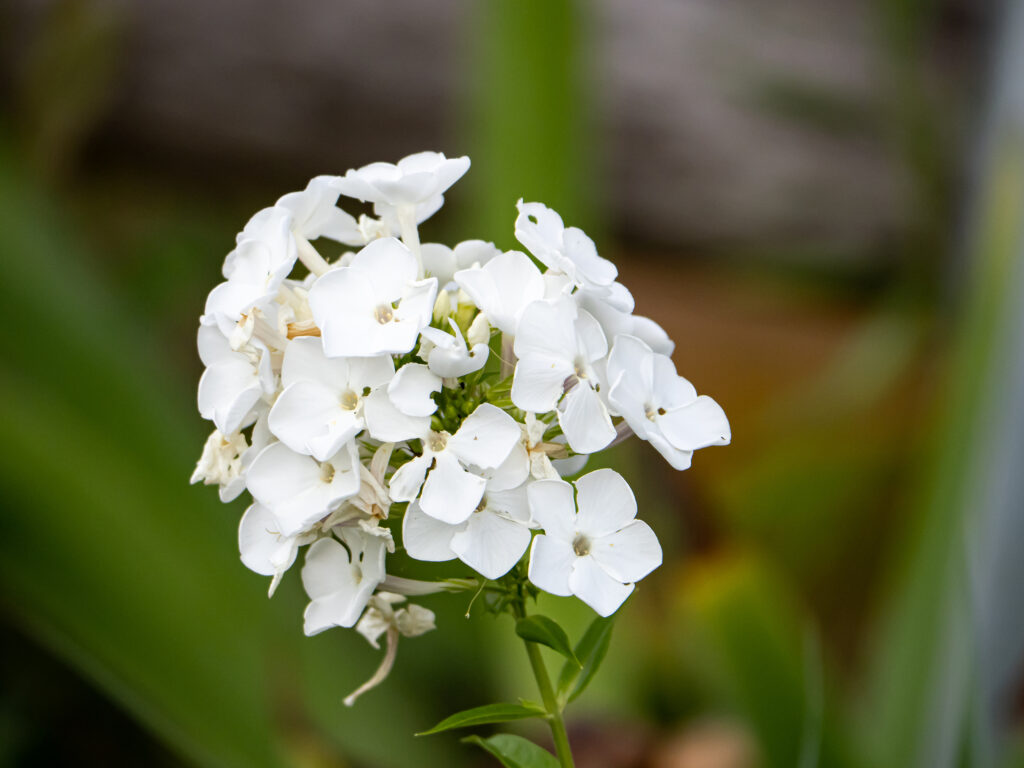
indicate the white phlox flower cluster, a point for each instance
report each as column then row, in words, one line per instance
column 367, row 387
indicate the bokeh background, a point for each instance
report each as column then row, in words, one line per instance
column 822, row 201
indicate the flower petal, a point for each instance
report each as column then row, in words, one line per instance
column 485, row 438
column 262, row 548
column 411, row 388
column 450, row 493
column 606, row 503
column 628, row 554
column 551, row 565
column 696, row 425
column 408, row 479
column 490, row 544
column 425, row 537
column 584, row 419
column 591, row 584
column 553, row 508
column 385, row 422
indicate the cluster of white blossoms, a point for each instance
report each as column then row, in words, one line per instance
column 435, row 395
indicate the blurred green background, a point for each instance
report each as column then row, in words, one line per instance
column 822, row 202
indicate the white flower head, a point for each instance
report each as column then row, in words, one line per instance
column 490, row 541
column 559, row 346
column 375, row 305
column 562, row 249
column 592, row 546
column 321, row 407
column 448, row 470
column 340, row 576
column 299, row 490
column 660, row 405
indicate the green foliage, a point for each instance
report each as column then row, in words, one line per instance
column 589, row 653
column 515, row 751
column 489, row 713
column 541, row 629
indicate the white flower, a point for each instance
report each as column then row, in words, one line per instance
column 225, row 460
column 503, row 288
column 559, row 346
column 413, row 180
column 490, row 541
column 321, row 407
column 374, row 306
column 233, row 382
column 315, row 213
column 340, row 579
column 443, row 262
column 297, row 489
column 452, row 491
column 449, row 356
column 263, row 549
column 596, row 553
column 561, row 249
column 661, row 406
column 263, row 258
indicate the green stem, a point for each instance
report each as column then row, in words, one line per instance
column 547, row 694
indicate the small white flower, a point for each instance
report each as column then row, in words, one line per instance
column 340, row 579
column 255, row 269
column 374, row 306
column 321, row 407
column 315, row 213
column 660, row 405
column 490, row 541
column 592, row 547
column 561, row 249
column 559, row 346
column 233, row 382
column 503, row 288
column 413, row 180
column 263, row 549
column 443, row 262
column 449, row 356
column 297, row 489
column 221, row 460
column 453, row 488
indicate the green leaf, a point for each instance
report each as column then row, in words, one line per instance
column 489, row 713
column 590, row 652
column 541, row 629
column 515, row 751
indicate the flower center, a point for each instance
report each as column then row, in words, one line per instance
column 437, row 441
column 653, row 413
column 384, row 314
column 349, row 400
column 326, row 472
column 581, row 545
column 580, row 367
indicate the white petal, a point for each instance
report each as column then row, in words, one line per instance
column 385, row 422
column 590, row 267
column 411, row 388
column 606, row 503
column 551, row 564
column 539, row 382
column 553, row 508
column 593, row 586
column 590, row 338
column 450, row 493
column 262, row 548
column 584, row 419
column 512, row 504
column 343, row 306
column 369, row 372
column 490, row 544
column 548, row 329
column 503, row 288
column 408, row 479
column 304, row 360
column 425, row 537
column 540, row 229
column 628, row 554
column 328, row 569
column 438, row 261
column 670, row 389
column 414, row 312
column 512, row 472
column 676, row 458
column 485, row 438
column 697, row 425
column 227, row 393
column 389, row 266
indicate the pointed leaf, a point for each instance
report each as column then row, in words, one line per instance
column 515, row 751
column 590, row 652
column 489, row 713
column 541, row 629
